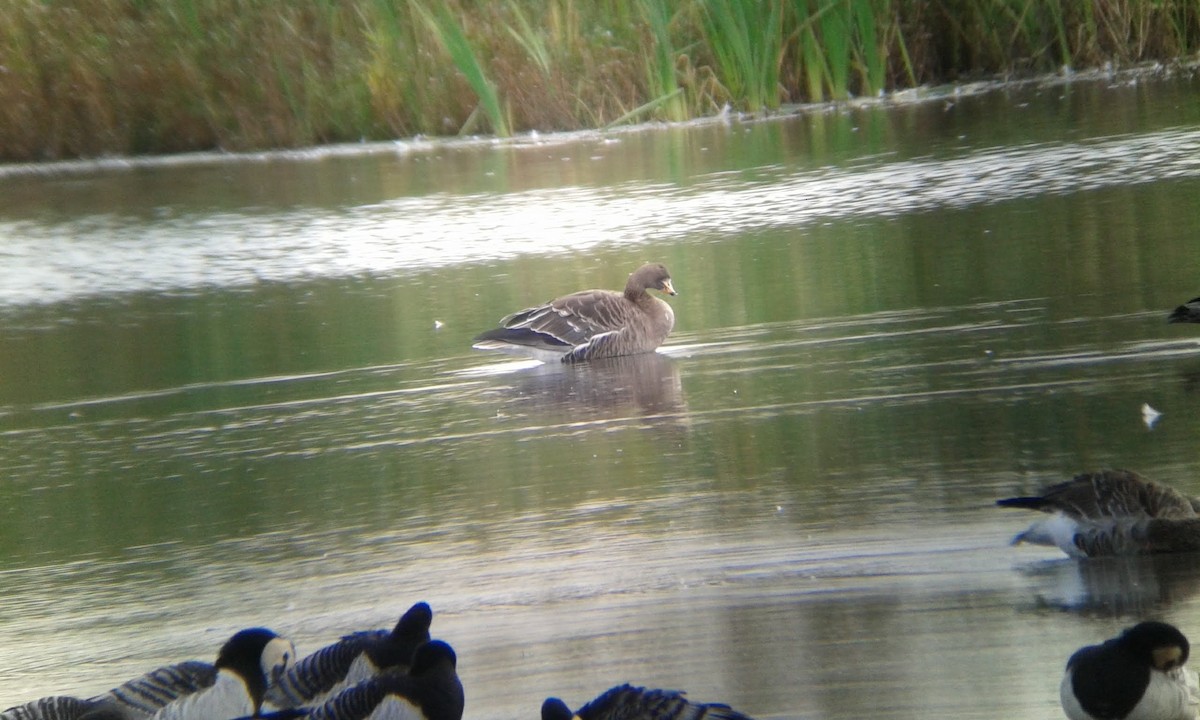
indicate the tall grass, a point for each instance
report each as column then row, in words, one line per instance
column 94, row 77
column 454, row 40
column 661, row 79
column 744, row 37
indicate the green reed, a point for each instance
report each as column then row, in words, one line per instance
column 448, row 30
column 93, row 77
column 745, row 37
column 661, row 79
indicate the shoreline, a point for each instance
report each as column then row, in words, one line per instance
column 419, row 144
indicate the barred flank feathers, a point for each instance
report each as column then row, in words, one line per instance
column 628, row 702
column 319, row 672
column 158, row 688
column 355, row 702
column 57, row 707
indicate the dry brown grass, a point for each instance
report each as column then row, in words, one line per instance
column 99, row 77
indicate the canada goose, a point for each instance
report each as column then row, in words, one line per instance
column 1136, row 675
column 590, row 323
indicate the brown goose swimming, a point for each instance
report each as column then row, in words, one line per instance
column 591, row 323
column 1112, row 512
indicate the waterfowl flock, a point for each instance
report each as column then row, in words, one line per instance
column 405, row 674
column 1140, row 674
column 398, row 674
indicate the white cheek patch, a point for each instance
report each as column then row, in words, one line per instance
column 278, row 655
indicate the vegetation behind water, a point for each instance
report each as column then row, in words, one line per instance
column 96, row 77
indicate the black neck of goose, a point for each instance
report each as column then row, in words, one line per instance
column 252, row 674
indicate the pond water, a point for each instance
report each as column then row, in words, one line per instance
column 240, row 391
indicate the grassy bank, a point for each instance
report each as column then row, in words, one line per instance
column 96, row 77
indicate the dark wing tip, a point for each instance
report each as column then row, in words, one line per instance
column 1029, row 503
column 519, row 336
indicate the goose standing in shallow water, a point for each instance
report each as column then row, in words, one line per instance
column 1112, row 512
column 354, row 658
column 626, row 702
column 1138, row 675
column 590, row 323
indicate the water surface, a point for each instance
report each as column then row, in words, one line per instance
column 241, row 392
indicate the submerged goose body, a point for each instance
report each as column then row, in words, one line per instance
column 430, row 690
column 591, row 323
column 1138, row 675
column 1112, row 512
column 352, row 659
column 626, row 702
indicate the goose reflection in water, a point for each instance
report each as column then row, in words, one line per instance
column 608, row 388
column 1130, row 586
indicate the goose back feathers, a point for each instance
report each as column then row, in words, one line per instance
column 430, row 690
column 626, row 702
column 1109, row 494
column 352, row 659
column 145, row 695
column 590, row 323
column 58, row 707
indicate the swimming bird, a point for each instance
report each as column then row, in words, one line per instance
column 350, row 660
column 430, row 690
column 626, row 702
column 590, row 323
column 1138, row 675
column 1189, row 312
column 1112, row 512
